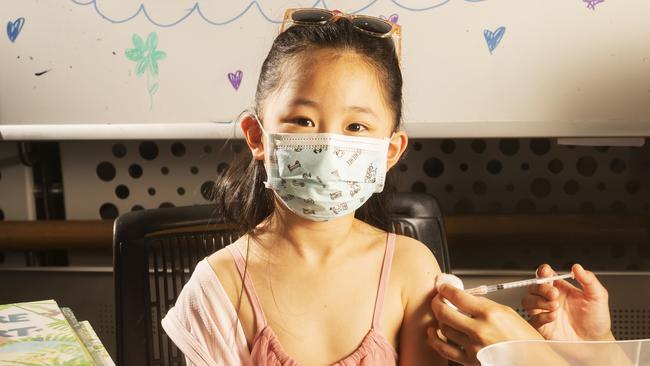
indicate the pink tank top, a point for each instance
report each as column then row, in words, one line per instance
column 373, row 350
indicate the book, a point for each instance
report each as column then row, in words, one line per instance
column 38, row 333
column 89, row 338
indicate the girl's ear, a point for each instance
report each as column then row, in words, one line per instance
column 253, row 136
column 398, row 143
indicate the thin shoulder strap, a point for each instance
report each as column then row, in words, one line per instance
column 260, row 320
column 383, row 281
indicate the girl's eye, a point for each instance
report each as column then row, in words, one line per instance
column 304, row 122
column 356, row 127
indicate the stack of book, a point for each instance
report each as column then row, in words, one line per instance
column 40, row 333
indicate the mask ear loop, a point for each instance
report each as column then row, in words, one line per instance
column 266, row 148
column 390, row 139
column 259, row 123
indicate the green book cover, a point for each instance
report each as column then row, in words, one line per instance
column 37, row 334
column 94, row 344
column 87, row 335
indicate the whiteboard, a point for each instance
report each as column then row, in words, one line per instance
column 471, row 68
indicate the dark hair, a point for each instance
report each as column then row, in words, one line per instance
column 240, row 194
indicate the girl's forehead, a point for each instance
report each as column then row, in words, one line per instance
column 332, row 60
column 328, row 75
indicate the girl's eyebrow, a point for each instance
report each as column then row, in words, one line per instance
column 303, row 102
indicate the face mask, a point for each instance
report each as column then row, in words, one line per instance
column 322, row 176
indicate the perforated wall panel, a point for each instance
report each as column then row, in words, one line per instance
column 486, row 176
column 104, row 179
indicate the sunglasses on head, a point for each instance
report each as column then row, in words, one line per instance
column 370, row 25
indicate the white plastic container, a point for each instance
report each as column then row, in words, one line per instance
column 556, row 353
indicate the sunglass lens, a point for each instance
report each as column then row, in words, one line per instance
column 311, row 15
column 373, row 25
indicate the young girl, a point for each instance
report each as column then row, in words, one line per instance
column 308, row 282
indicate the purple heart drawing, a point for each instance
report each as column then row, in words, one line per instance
column 235, row 78
column 493, row 38
column 14, row 28
column 391, row 18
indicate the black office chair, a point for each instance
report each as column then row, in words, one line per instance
column 156, row 251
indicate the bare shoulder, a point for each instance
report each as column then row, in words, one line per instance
column 414, row 265
column 413, row 254
column 417, row 270
column 224, row 267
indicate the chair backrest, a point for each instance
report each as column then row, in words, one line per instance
column 156, row 251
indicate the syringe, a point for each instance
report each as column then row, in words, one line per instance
column 484, row 289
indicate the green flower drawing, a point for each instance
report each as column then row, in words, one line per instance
column 147, row 57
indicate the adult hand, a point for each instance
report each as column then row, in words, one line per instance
column 479, row 322
column 562, row 311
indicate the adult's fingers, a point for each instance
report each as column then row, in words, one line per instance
column 445, row 314
column 543, row 270
column 590, row 285
column 546, row 270
column 533, row 302
column 546, row 291
column 446, row 350
column 543, row 318
column 455, row 336
column 468, row 304
column 532, row 312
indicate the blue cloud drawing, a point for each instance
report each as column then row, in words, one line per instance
column 419, row 5
column 217, row 12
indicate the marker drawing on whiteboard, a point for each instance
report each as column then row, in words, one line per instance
column 14, row 28
column 211, row 15
column 391, row 18
column 147, row 56
column 235, row 78
column 493, row 38
column 591, row 4
column 42, row 72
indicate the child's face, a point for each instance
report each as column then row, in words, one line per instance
column 330, row 92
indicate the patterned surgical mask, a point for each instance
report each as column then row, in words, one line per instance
column 322, row 176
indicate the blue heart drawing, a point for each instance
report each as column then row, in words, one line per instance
column 14, row 28
column 235, row 78
column 493, row 38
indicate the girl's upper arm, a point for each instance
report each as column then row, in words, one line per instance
column 419, row 270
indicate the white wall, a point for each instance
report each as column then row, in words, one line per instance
column 560, row 69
